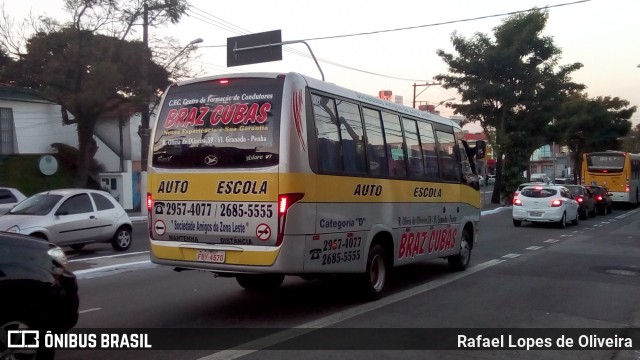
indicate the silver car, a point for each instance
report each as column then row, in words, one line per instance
column 9, row 197
column 71, row 217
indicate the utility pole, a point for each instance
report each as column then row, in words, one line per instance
column 144, row 130
column 414, row 90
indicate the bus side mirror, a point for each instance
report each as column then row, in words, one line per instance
column 480, row 149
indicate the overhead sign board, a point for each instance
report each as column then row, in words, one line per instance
column 254, row 48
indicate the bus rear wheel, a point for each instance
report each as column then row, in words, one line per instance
column 460, row 261
column 375, row 278
column 260, row 282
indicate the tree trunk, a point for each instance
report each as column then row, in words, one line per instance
column 500, row 140
column 87, row 150
column 495, row 196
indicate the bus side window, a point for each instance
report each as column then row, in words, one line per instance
column 329, row 152
column 449, row 166
column 428, row 141
column 375, row 143
column 467, row 172
column 414, row 152
column 395, row 145
column 354, row 159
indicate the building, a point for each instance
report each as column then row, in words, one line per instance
column 553, row 160
column 29, row 125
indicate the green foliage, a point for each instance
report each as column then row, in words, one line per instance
column 513, row 86
column 89, row 75
column 593, row 125
column 631, row 142
column 86, row 72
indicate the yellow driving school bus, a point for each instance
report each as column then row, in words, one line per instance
column 262, row 175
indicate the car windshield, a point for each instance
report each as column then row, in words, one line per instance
column 538, row 192
column 597, row 190
column 36, row 205
column 522, row 186
column 575, row 190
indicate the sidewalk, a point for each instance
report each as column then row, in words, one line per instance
column 137, row 216
column 487, row 206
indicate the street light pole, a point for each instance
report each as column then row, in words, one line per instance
column 423, row 90
column 191, row 43
column 442, row 102
column 144, row 130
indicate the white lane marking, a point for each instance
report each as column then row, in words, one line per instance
column 329, row 320
column 111, row 269
column 534, row 248
column 89, row 310
column 110, row 256
column 627, row 214
column 495, row 211
column 511, row 256
column 551, row 241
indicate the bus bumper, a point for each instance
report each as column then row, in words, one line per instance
column 287, row 259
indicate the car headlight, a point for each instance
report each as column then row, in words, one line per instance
column 58, row 255
column 14, row 229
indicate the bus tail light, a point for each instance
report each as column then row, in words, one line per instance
column 149, row 202
column 626, row 188
column 556, row 203
column 149, row 207
column 284, row 203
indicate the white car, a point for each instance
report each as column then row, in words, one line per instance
column 545, row 203
column 9, row 197
column 71, row 217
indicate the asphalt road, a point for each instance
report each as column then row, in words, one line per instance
column 585, row 277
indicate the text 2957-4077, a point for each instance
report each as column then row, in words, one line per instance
column 209, row 209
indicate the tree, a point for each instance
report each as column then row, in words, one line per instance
column 86, row 65
column 587, row 125
column 88, row 75
column 632, row 140
column 512, row 86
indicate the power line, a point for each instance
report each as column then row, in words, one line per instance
column 287, row 48
column 441, row 23
column 220, row 23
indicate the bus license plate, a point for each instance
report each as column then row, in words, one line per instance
column 212, row 256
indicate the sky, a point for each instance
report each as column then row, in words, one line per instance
column 399, row 49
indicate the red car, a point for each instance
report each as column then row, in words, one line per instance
column 585, row 199
column 604, row 204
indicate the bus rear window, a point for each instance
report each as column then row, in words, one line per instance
column 605, row 163
column 211, row 124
